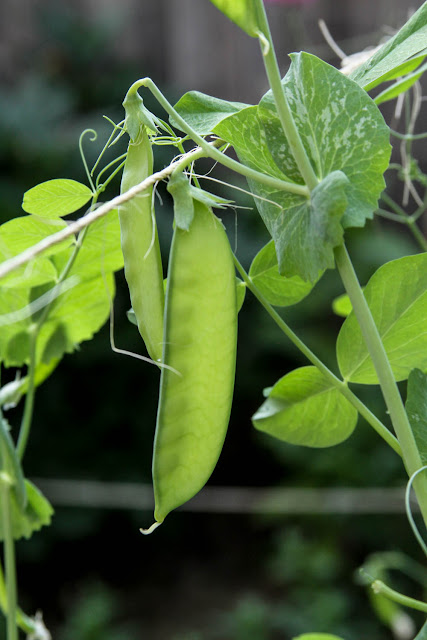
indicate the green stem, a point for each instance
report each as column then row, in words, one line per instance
column 29, row 398
column 9, row 555
column 378, row 586
column 415, row 230
column 393, row 400
column 213, row 153
column 336, row 382
column 283, row 110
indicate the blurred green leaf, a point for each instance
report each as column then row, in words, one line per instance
column 242, row 12
column 36, row 514
column 203, row 112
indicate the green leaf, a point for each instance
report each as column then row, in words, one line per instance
column 23, row 232
column 209, row 199
column 100, row 252
column 12, row 392
column 400, row 86
column 80, row 312
column 303, row 408
column 56, row 198
column 317, row 636
column 203, row 112
column 324, row 102
column 137, row 115
column 387, row 63
column 342, row 306
column 305, row 232
column 276, row 289
column 241, row 12
column 397, row 297
column 416, row 408
column 11, row 464
column 36, row 514
column 183, row 205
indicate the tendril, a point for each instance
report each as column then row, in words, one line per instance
column 82, row 154
column 409, row 510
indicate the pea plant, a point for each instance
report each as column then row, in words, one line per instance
column 314, row 152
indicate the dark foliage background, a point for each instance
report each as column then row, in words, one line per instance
column 200, row 576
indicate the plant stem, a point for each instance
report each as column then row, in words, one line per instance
column 417, row 233
column 9, row 554
column 393, row 400
column 283, row 110
column 238, row 167
column 336, row 382
column 379, row 587
column 27, row 417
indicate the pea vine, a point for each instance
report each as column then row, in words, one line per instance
column 314, row 151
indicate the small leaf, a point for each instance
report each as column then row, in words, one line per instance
column 36, row 514
column 12, row 392
column 183, row 205
column 203, row 112
column 209, row 199
column 402, row 85
column 303, row 408
column 56, row 198
column 342, row 306
column 397, row 297
column 241, row 12
column 317, row 636
column 407, row 43
column 416, row 408
column 278, row 290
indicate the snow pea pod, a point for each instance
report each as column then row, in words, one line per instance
column 200, row 340
column 140, row 246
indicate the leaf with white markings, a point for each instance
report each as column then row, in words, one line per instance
column 323, row 103
column 203, row 112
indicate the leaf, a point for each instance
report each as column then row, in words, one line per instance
column 416, row 408
column 80, row 312
column 317, row 636
column 100, row 252
column 36, row 514
column 397, row 297
column 209, row 199
column 400, row 86
column 23, row 232
column 203, row 112
column 324, row 102
column 183, row 205
column 12, row 392
column 342, row 306
column 408, row 42
column 241, row 12
column 303, row 408
column 276, row 289
column 305, row 232
column 56, row 198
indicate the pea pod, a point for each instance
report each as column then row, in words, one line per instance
column 140, row 245
column 200, row 343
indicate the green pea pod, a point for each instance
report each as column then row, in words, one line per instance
column 140, row 245
column 200, row 340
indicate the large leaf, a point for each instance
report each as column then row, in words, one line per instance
column 402, row 85
column 391, row 60
column 324, row 102
column 304, row 231
column 23, row 232
column 242, row 12
column 203, row 112
column 317, row 636
column 304, row 408
column 416, row 408
column 100, row 251
column 397, row 297
column 276, row 289
column 37, row 513
column 56, row 198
